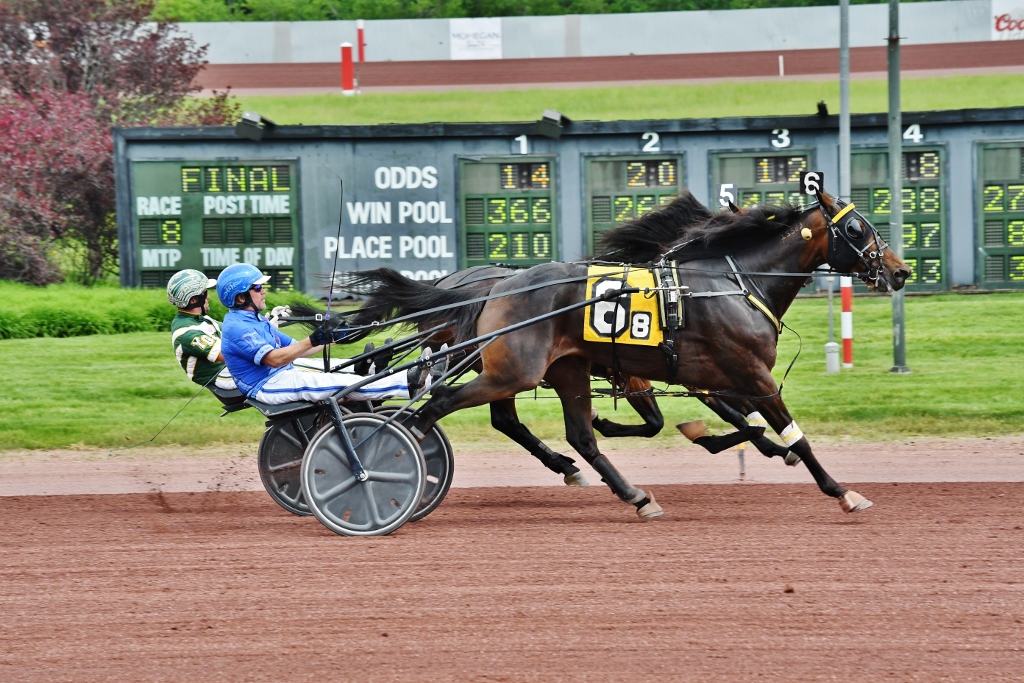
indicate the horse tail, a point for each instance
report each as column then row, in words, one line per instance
column 391, row 295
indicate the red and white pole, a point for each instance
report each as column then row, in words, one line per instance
column 361, row 39
column 846, row 320
column 348, row 70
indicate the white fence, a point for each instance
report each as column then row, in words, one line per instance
column 617, row 34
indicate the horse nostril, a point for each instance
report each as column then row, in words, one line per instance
column 901, row 274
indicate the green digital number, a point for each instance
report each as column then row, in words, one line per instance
column 1015, row 233
column 497, row 211
column 928, row 200
column 795, row 166
column 796, row 199
column 912, row 264
column 541, row 210
column 520, row 245
column 992, row 196
column 880, row 199
column 909, row 200
column 909, row 235
column 930, row 235
column 774, row 197
column 751, row 199
column 519, row 210
column 931, row 271
column 1016, row 194
column 541, row 245
column 666, row 199
column 1017, row 268
column 636, row 174
column 170, row 231
column 644, row 203
column 623, row 209
column 497, row 246
column 667, row 173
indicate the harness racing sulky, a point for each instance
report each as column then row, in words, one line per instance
column 679, row 295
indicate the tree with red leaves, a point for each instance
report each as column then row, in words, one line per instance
column 69, row 71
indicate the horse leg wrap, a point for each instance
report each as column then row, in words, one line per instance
column 616, row 482
column 851, row 501
column 717, row 444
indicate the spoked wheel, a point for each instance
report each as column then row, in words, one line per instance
column 386, row 500
column 440, row 461
column 279, row 458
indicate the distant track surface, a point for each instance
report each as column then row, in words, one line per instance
column 953, row 56
column 734, row 583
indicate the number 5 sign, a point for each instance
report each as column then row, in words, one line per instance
column 812, row 182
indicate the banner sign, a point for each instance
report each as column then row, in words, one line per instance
column 475, row 38
column 1007, row 20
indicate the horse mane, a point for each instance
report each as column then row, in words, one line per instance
column 729, row 233
column 646, row 238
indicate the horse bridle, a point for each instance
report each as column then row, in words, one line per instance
column 849, row 225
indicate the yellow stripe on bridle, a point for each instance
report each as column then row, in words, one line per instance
column 846, row 209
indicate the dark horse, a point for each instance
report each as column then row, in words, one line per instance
column 727, row 348
column 637, row 241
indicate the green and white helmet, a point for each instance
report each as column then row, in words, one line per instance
column 186, row 284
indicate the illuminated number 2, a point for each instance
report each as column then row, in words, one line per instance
column 1017, row 268
column 881, row 199
column 623, row 208
column 497, row 246
column 992, row 196
column 653, row 143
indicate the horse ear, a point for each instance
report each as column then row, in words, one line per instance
column 734, row 208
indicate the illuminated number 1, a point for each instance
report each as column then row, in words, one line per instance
column 524, row 147
column 520, row 245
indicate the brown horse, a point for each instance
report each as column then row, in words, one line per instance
column 727, row 348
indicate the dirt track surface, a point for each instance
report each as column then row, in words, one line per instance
column 767, row 582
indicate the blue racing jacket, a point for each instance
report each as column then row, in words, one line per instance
column 246, row 337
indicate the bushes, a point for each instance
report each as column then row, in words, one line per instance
column 68, row 310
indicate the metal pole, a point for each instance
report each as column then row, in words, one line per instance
column 899, row 344
column 844, row 101
column 831, row 348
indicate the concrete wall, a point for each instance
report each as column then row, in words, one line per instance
column 600, row 34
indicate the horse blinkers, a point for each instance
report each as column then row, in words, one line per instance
column 851, row 240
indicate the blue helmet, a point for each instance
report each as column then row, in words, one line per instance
column 237, row 279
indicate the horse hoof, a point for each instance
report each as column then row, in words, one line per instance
column 851, row 501
column 576, row 479
column 651, row 510
column 792, row 459
column 693, row 430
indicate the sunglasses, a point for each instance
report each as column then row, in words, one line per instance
column 256, row 288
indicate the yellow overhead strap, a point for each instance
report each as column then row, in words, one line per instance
column 846, row 209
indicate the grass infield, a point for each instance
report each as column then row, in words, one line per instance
column 117, row 390
column 768, row 97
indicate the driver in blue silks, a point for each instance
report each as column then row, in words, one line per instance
column 260, row 357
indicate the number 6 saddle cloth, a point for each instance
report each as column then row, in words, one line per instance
column 634, row 318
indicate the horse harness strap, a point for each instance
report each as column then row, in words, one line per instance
column 756, row 302
column 673, row 317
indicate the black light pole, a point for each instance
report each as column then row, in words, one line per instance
column 899, row 343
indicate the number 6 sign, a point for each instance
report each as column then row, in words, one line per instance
column 812, row 182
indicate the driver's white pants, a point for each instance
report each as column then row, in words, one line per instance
column 300, row 385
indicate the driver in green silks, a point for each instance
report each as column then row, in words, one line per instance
column 195, row 336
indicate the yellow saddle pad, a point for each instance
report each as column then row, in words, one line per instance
column 628, row 319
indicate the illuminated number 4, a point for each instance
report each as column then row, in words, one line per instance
column 913, row 133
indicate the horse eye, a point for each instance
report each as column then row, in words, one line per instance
column 854, row 229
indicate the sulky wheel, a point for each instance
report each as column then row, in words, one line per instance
column 440, row 460
column 279, row 458
column 390, row 495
